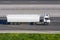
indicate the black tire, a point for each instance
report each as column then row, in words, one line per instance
column 19, row 23
column 32, row 23
column 8, row 23
column 45, row 23
column 12, row 23
column 37, row 24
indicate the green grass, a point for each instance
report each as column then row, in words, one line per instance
column 20, row 36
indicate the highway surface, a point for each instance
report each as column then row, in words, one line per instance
column 54, row 26
column 29, row 1
column 52, row 10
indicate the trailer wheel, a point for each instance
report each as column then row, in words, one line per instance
column 32, row 23
column 19, row 23
column 8, row 23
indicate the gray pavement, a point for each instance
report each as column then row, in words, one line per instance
column 29, row 1
column 54, row 26
column 53, row 10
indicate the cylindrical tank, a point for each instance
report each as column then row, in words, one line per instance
column 23, row 18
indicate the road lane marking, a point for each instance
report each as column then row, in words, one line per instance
column 29, row 31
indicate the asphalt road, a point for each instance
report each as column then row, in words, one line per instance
column 29, row 1
column 53, row 10
column 54, row 26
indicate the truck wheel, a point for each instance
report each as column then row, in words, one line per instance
column 45, row 23
column 32, row 23
column 8, row 23
column 18, row 23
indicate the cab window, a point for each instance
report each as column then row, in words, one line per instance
column 47, row 18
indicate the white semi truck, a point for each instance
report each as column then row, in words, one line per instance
column 28, row 18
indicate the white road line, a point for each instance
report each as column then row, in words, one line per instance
column 28, row 6
column 28, row 31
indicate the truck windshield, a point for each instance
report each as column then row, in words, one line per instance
column 47, row 18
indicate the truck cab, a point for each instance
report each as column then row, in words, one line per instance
column 46, row 19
